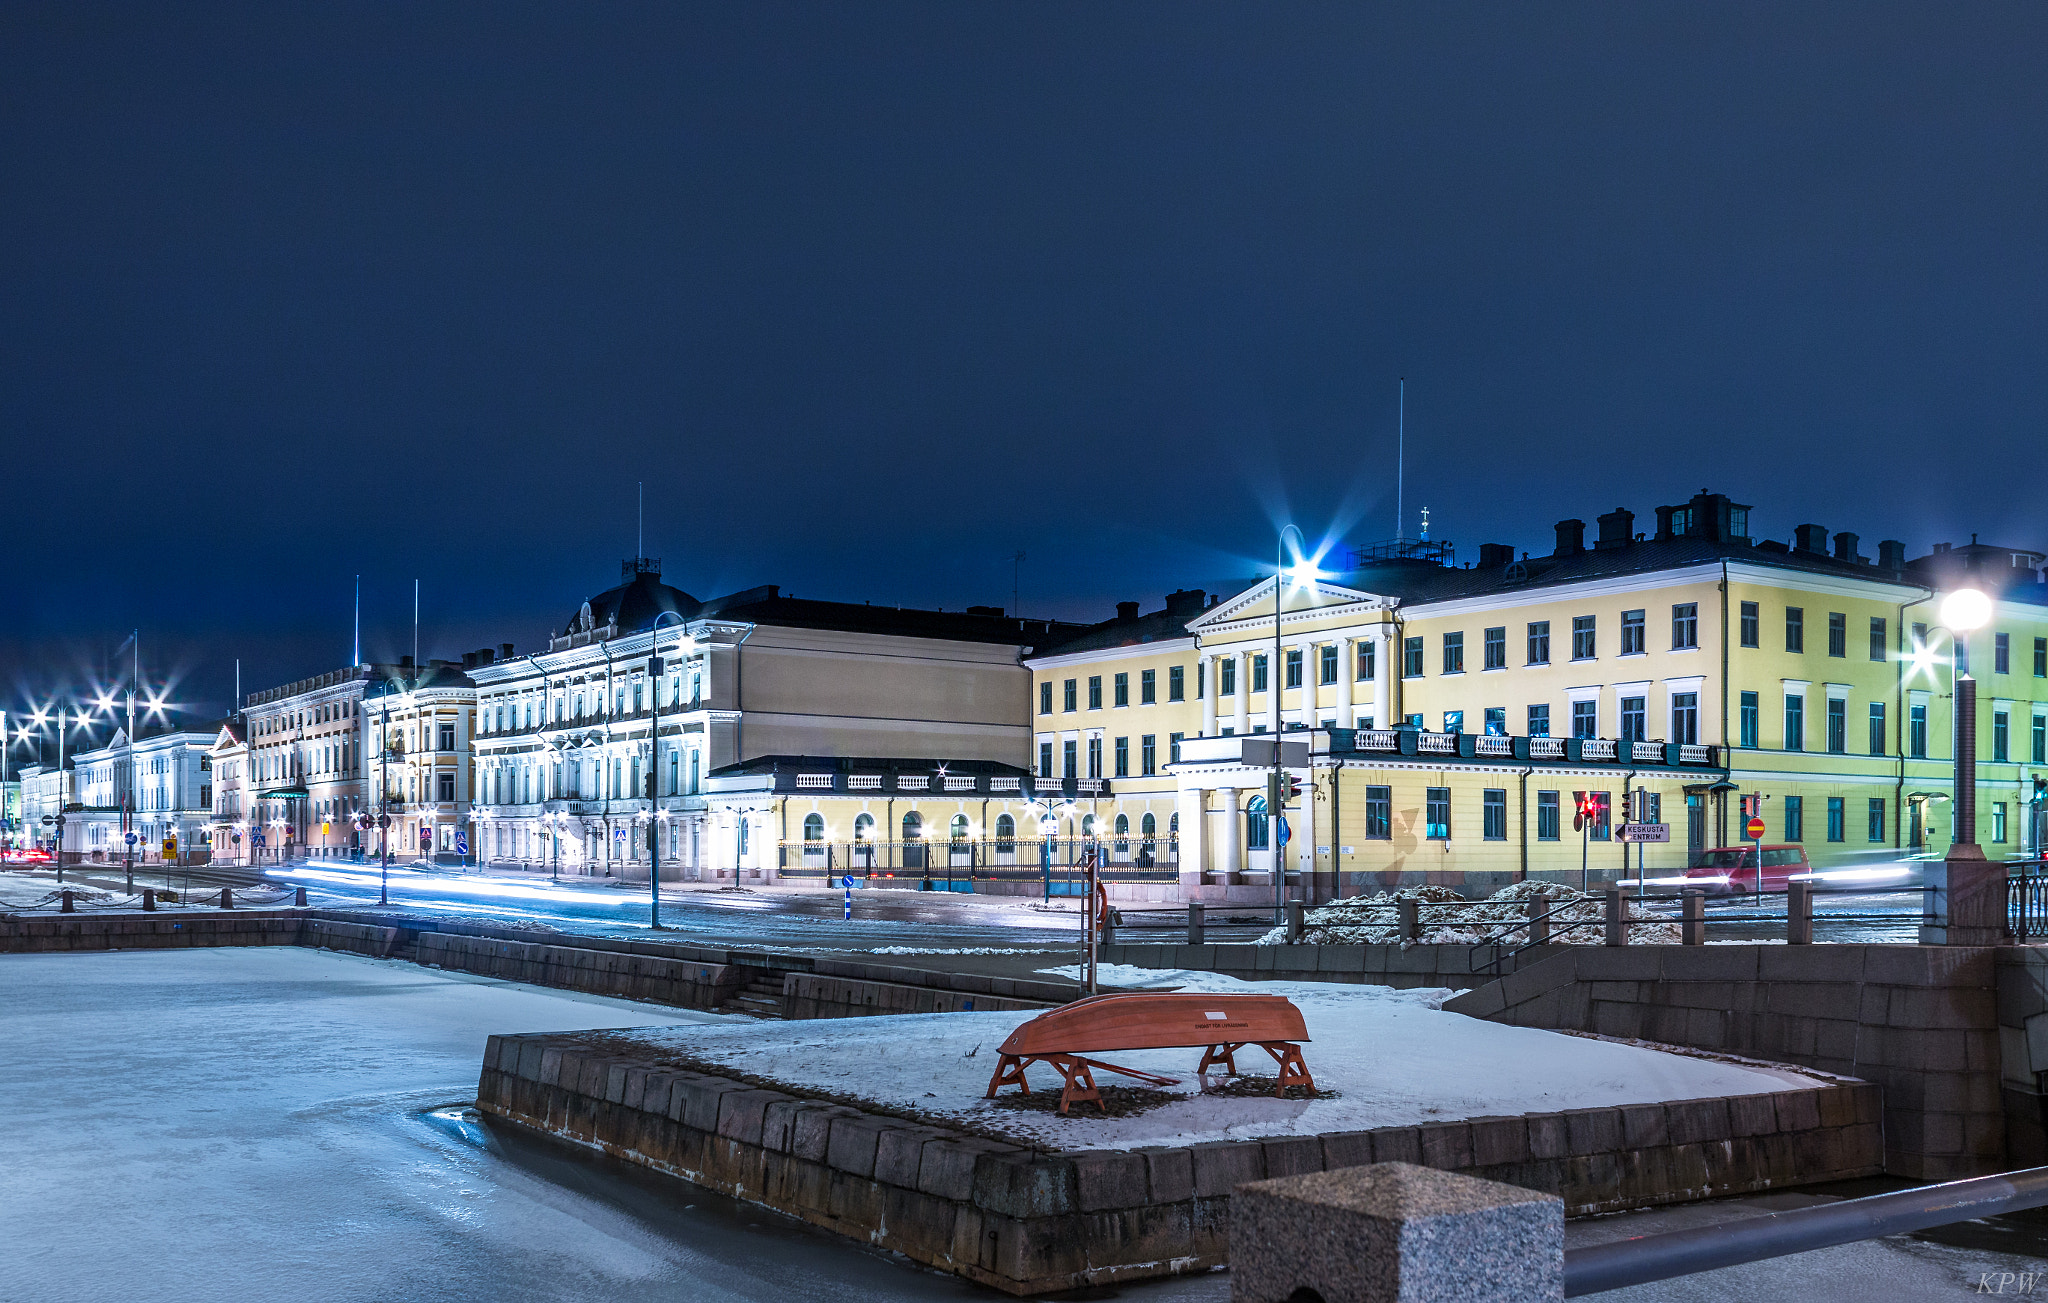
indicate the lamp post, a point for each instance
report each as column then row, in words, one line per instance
column 1966, row 894
column 1963, row 611
column 1276, row 787
column 655, row 668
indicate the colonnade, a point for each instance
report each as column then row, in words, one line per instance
column 1308, row 697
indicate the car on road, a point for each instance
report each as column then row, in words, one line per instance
column 27, row 857
column 1726, row 870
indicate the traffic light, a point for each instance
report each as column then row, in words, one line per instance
column 1752, row 806
column 1582, row 810
column 2040, row 790
column 1293, row 789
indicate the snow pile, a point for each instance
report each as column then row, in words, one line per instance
column 1448, row 919
column 1335, row 995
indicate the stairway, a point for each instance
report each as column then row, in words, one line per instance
column 760, row 998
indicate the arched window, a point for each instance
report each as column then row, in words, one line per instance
column 1006, row 834
column 1123, row 833
column 958, row 828
column 1255, row 824
column 864, row 828
column 1087, row 825
column 1148, row 827
column 913, row 826
column 814, row 827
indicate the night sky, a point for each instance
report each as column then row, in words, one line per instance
column 874, row 296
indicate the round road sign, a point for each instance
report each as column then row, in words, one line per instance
column 1755, row 829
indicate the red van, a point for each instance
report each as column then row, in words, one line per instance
column 1729, row 869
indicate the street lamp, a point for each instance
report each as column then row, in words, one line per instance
column 1276, row 675
column 655, row 669
column 1962, row 611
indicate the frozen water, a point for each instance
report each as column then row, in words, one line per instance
column 253, row 1124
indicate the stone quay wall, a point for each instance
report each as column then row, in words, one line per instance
column 1029, row 1221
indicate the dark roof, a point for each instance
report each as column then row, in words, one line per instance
column 635, row 605
column 1129, row 629
column 398, row 679
column 786, row 764
column 767, row 605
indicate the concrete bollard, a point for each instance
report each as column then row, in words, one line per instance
column 66, row 903
column 299, row 898
column 1538, row 910
column 227, row 897
column 1394, row 1233
column 1409, row 915
column 1195, row 929
column 149, row 899
column 1799, row 913
column 1617, row 916
column 1297, row 921
column 1692, row 925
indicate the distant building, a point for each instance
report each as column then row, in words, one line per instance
column 161, row 790
column 305, row 786
column 419, row 729
column 231, row 793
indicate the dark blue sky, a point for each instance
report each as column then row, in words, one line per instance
column 873, row 296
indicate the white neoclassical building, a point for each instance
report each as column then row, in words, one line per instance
column 654, row 719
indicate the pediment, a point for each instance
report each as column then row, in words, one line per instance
column 1317, row 600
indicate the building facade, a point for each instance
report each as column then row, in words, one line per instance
column 420, row 729
column 161, row 790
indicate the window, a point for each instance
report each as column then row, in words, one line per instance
column 1411, row 658
column 1838, row 726
column 1173, row 741
column 2041, row 739
column 1632, row 718
column 1123, row 757
column 1148, row 754
column 1602, row 819
column 1496, row 721
column 1148, row 687
column 2001, row 653
column 1880, row 739
column 1095, row 757
column 1176, row 683
column 1878, row 650
column 1795, row 819
column 1326, row 664
column 1454, row 721
column 1095, row 692
column 1258, row 674
column 1497, row 648
column 1379, row 814
column 1437, row 814
column 1068, row 700
column 1123, row 834
column 1685, row 717
column 1539, row 642
column 1998, row 821
column 1454, row 653
column 1148, row 828
column 1006, row 834
column 1367, row 657
column 1070, row 752
column 1748, row 720
column 1255, row 824
column 1795, row 722
column 2001, row 735
column 1838, row 634
column 2041, row 658
column 1875, row 832
column 1750, row 622
column 1123, row 690
column 864, row 828
column 814, row 827
column 1795, row 628
column 1835, row 819
column 1045, row 760
column 1632, row 633
column 1582, row 637
column 1685, row 626
column 1493, row 814
column 1546, row 817
column 1045, row 698
column 1539, row 720
column 447, row 737
column 1585, row 719
column 1918, row 727
column 1226, row 677
column 1294, row 667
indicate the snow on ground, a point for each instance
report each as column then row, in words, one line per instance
column 1391, row 1057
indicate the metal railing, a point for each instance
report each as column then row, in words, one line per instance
column 1596, row 1268
column 2026, row 898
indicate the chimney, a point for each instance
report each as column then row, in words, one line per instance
column 1126, row 610
column 469, row 660
column 1495, row 556
column 1664, row 521
column 995, row 611
column 504, row 651
column 1571, row 537
column 1845, row 547
column 1617, row 527
column 405, row 661
column 1891, row 554
column 1187, row 602
column 1810, row 538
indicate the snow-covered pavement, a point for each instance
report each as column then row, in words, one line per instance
column 1391, row 1057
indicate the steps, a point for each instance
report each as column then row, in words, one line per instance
column 760, row 998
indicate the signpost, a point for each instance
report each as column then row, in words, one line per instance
column 1754, row 830
column 847, row 882
column 1645, row 832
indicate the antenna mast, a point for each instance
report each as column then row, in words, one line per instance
column 1401, row 464
column 355, row 662
column 415, row 632
column 640, row 529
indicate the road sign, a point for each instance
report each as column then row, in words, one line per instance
column 1645, row 832
column 461, row 842
column 131, row 839
column 383, row 821
column 1754, row 830
column 170, row 847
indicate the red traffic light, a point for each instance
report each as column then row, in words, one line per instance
column 1293, row 788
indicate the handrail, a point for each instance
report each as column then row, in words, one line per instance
column 1596, row 1268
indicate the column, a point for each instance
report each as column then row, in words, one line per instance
column 1229, row 835
column 1193, row 842
column 767, row 858
column 1311, row 676
column 1244, row 692
column 1383, row 679
column 1205, row 679
column 1347, row 682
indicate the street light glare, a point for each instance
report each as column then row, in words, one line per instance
column 1966, row 609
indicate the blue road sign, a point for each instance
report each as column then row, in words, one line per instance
column 461, row 843
column 131, row 839
column 1285, row 832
